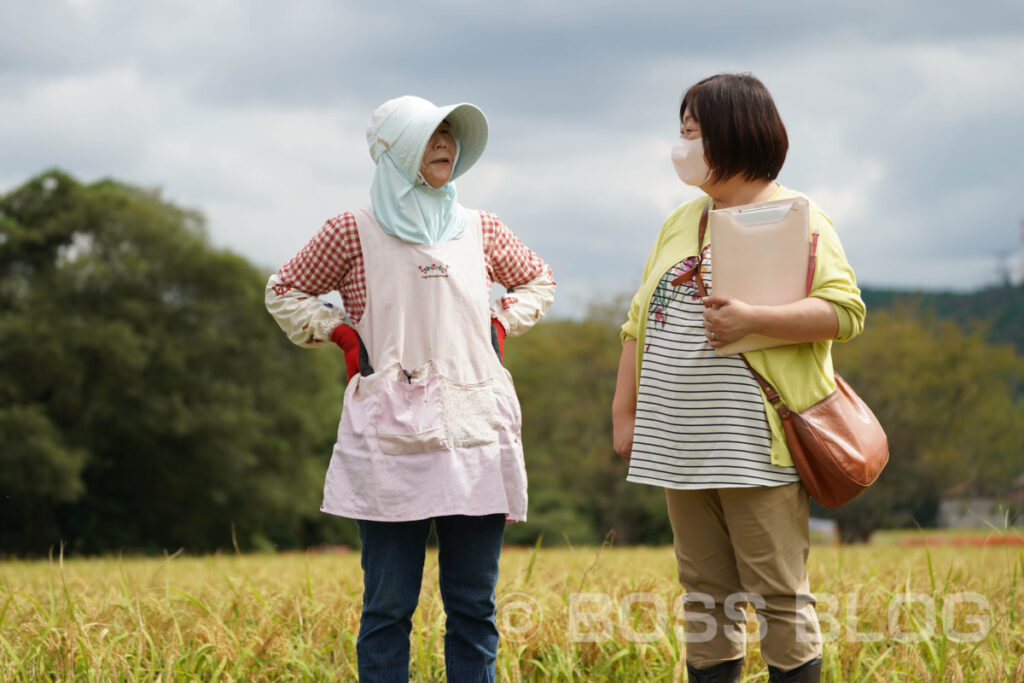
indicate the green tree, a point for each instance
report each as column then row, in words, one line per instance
column 1001, row 307
column 565, row 375
column 148, row 400
column 950, row 402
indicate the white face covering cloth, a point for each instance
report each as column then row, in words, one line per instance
column 688, row 158
column 404, row 205
column 411, row 210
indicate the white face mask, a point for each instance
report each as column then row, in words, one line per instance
column 688, row 158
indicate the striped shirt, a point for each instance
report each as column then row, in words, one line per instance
column 700, row 420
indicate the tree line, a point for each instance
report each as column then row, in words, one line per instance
column 148, row 401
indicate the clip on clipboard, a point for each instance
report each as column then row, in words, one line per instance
column 762, row 255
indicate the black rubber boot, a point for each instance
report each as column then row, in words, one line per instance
column 808, row 672
column 726, row 672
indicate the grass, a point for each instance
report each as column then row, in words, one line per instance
column 889, row 611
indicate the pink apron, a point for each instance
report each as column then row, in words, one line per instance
column 435, row 430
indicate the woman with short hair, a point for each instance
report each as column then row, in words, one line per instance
column 698, row 424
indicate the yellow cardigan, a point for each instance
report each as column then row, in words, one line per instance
column 801, row 373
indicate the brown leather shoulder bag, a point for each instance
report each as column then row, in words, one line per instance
column 838, row 446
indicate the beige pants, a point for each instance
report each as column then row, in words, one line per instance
column 748, row 543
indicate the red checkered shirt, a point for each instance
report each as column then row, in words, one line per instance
column 333, row 260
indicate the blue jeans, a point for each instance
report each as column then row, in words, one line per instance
column 392, row 558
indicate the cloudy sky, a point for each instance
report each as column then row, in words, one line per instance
column 905, row 117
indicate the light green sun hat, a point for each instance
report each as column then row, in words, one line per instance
column 404, row 126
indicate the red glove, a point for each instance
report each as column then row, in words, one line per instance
column 498, row 338
column 345, row 337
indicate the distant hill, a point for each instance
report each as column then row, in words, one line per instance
column 1001, row 307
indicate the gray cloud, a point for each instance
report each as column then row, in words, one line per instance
column 903, row 116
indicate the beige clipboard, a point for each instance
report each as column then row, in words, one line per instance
column 759, row 255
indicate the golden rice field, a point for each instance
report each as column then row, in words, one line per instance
column 890, row 611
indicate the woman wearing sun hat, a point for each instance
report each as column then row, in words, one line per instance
column 430, row 429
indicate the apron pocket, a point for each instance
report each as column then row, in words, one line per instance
column 409, row 417
column 470, row 413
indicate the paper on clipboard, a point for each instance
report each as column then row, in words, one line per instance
column 760, row 256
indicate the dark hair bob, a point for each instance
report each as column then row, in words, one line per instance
column 742, row 131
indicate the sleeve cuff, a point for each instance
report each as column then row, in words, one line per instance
column 845, row 332
column 626, row 333
column 502, row 318
column 323, row 328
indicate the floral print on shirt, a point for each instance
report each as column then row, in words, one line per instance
column 666, row 292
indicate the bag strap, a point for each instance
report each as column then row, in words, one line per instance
column 695, row 268
column 769, row 391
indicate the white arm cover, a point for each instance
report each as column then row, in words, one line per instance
column 524, row 305
column 306, row 319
